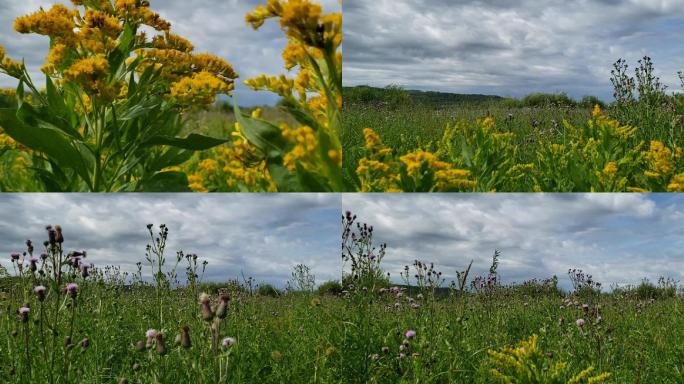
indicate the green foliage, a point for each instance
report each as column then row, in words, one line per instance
column 331, row 287
column 268, row 290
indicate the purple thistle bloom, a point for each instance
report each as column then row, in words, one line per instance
column 151, row 333
column 580, row 322
column 44, row 256
column 410, row 334
column 15, row 256
column 72, row 290
column 40, row 292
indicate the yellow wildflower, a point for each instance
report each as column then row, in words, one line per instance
column 676, row 184
column 659, row 159
column 58, row 22
column 200, row 89
column 488, row 122
column 208, row 165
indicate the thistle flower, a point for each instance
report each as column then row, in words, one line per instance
column 84, row 267
column 44, row 256
column 227, row 342
column 24, row 314
column 15, row 256
column 151, row 333
column 33, row 263
column 410, row 334
column 585, row 307
column 580, row 322
column 40, row 292
column 72, row 290
column 222, row 309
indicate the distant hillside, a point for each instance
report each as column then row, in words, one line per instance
column 364, row 94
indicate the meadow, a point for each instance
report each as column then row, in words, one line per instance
column 398, row 140
column 64, row 320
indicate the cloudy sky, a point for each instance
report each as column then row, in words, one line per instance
column 619, row 238
column 214, row 26
column 509, row 47
column 262, row 235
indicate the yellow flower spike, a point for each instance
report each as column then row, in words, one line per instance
column 676, row 184
column 200, row 89
column 597, row 111
column 58, row 22
column 488, row 122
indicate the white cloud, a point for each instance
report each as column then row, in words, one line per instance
column 508, row 47
column 619, row 238
column 262, row 235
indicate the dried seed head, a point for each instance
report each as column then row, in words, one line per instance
column 67, row 342
column 85, row 342
column 204, row 298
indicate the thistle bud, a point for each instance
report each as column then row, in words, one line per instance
column 59, row 237
column 72, row 290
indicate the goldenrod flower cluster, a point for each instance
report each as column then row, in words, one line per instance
column 379, row 170
column 229, row 169
column 81, row 43
column 527, row 364
column 200, row 89
column 305, row 145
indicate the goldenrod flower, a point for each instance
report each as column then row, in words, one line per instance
column 659, row 160
column 200, row 89
column 676, row 184
column 58, row 22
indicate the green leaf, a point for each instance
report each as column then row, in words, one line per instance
column 44, row 118
column 193, row 142
column 262, row 134
column 166, row 182
column 173, row 156
column 49, row 141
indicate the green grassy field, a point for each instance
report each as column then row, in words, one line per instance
column 553, row 137
column 405, row 127
column 116, row 328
